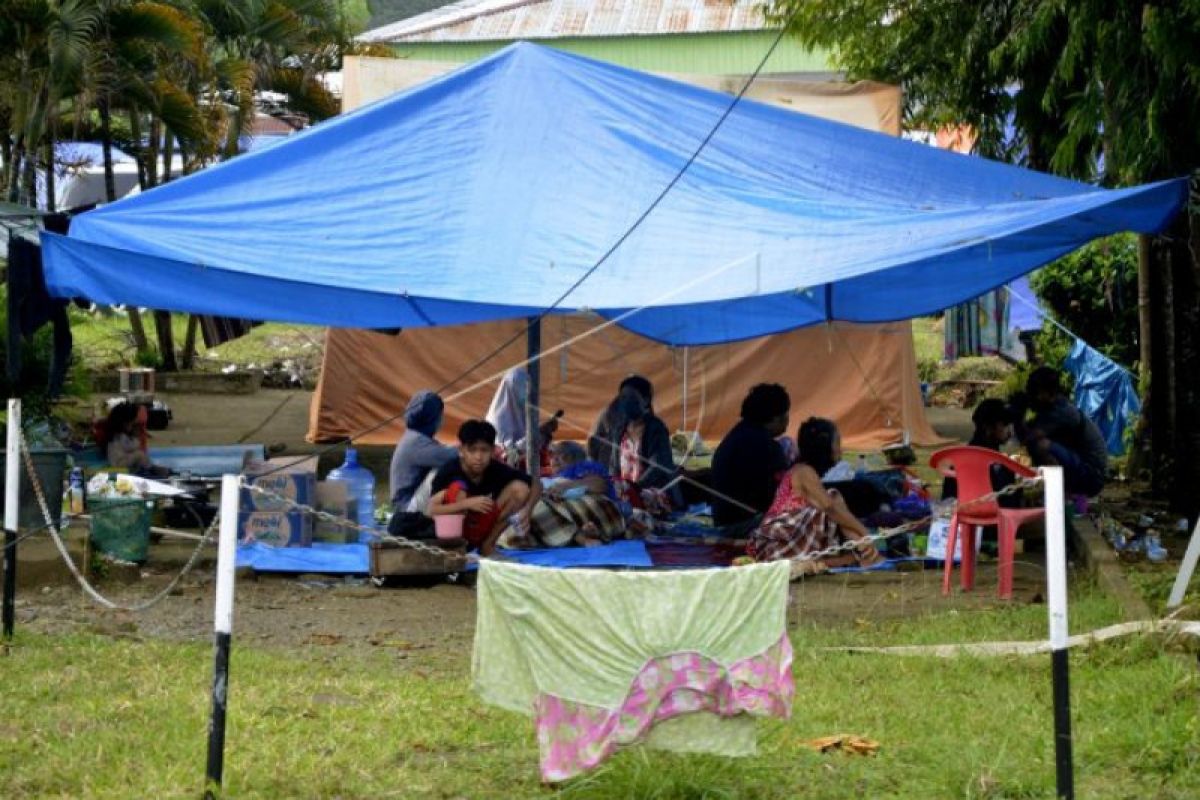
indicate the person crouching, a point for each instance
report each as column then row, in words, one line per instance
column 485, row 491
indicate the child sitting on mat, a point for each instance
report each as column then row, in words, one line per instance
column 487, row 492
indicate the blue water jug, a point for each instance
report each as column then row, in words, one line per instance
column 360, row 487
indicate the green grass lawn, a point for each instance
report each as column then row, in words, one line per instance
column 89, row 716
column 103, row 341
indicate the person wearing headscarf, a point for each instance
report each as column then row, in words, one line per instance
column 418, row 454
column 632, row 441
column 507, row 415
column 507, row 411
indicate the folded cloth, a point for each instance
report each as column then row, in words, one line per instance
column 599, row 658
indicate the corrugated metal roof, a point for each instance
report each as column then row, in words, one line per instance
column 491, row 20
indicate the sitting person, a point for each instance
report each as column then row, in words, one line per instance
column 574, row 471
column 993, row 427
column 507, row 414
column 1062, row 435
column 578, row 505
column 635, row 445
column 807, row 518
column 484, row 490
column 418, row 455
column 749, row 462
column 123, row 445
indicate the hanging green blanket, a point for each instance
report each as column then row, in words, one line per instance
column 680, row 660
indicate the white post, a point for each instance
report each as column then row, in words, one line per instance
column 1056, row 577
column 12, row 508
column 1186, row 569
column 223, row 630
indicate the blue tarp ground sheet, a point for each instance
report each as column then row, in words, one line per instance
column 330, row 559
column 342, row 559
column 352, row 559
column 531, row 163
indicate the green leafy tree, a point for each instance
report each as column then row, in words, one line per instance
column 1093, row 293
column 1085, row 83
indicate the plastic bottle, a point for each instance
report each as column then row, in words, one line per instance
column 861, row 470
column 75, row 492
column 360, row 487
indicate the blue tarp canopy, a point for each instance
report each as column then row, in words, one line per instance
column 486, row 193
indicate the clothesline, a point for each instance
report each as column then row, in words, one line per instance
column 1042, row 312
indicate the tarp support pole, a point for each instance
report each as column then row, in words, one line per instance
column 534, row 396
column 684, row 426
column 12, row 506
column 1186, row 569
column 1056, row 594
column 223, row 632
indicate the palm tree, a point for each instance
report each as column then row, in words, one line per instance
column 45, row 45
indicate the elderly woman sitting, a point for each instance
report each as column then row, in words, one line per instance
column 578, row 505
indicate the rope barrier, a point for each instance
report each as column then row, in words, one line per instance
column 343, row 522
column 1171, row 627
column 887, row 533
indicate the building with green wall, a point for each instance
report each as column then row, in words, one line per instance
column 685, row 36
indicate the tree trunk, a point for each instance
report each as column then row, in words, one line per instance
column 188, row 359
column 152, row 154
column 140, row 342
column 135, row 133
column 168, row 154
column 1186, row 291
column 6, row 146
column 51, row 201
column 166, row 340
column 30, row 177
column 14, row 169
column 1145, row 336
column 1141, row 453
column 110, row 180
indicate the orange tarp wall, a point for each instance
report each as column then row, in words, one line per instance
column 862, row 376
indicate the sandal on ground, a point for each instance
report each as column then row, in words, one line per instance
column 868, row 557
column 807, row 568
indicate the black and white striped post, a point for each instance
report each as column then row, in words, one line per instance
column 223, row 628
column 12, row 507
column 1056, row 578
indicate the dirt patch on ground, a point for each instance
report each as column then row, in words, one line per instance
column 302, row 611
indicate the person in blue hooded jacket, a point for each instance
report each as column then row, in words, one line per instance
column 418, row 454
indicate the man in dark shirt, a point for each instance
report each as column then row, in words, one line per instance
column 1062, row 435
column 749, row 461
column 485, row 491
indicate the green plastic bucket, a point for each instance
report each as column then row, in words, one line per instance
column 121, row 526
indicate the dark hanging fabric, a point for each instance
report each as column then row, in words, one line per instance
column 218, row 330
column 30, row 307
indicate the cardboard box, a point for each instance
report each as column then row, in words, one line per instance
column 292, row 477
column 333, row 497
column 277, row 528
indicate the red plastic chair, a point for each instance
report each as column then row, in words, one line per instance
column 971, row 468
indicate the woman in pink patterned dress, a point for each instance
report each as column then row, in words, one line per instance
column 805, row 517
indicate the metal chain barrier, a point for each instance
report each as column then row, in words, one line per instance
column 343, row 522
column 88, row 589
column 886, row 533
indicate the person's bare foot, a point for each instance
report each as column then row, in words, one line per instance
column 868, row 555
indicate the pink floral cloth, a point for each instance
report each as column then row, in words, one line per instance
column 575, row 737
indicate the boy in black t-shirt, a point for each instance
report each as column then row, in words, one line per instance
column 485, row 491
